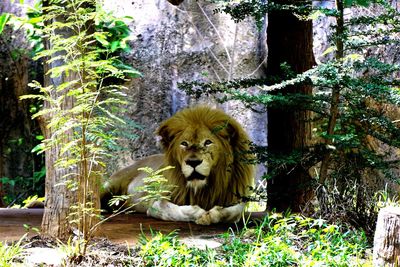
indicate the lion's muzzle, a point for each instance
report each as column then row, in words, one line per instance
column 193, row 163
column 196, row 172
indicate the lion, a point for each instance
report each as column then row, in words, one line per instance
column 211, row 176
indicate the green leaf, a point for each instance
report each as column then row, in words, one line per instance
column 313, row 15
column 4, row 18
column 132, row 73
column 348, row 3
column 35, row 20
column 39, row 137
column 364, row 3
column 39, row 148
column 329, row 50
column 101, row 38
column 128, row 17
column 114, row 46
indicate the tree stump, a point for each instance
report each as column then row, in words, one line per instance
column 387, row 238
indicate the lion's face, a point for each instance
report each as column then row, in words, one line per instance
column 198, row 152
column 204, row 144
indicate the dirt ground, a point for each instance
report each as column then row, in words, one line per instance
column 121, row 229
column 115, row 246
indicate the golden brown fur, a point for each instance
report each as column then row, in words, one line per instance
column 208, row 149
column 230, row 178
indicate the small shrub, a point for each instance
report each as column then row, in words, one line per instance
column 166, row 250
column 10, row 252
column 279, row 240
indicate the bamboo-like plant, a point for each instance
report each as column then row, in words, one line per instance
column 79, row 100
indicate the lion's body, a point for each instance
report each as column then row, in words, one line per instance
column 207, row 149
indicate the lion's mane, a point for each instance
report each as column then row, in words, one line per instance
column 230, row 179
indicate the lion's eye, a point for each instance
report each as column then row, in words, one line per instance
column 184, row 143
column 208, row 142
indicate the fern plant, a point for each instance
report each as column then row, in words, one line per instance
column 155, row 186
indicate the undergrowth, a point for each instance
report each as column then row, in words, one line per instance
column 278, row 240
column 10, row 252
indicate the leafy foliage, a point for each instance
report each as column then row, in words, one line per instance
column 18, row 188
column 277, row 241
column 166, row 250
column 359, row 85
column 3, row 20
column 155, row 186
column 90, row 117
column 10, row 252
column 80, row 110
column 18, row 138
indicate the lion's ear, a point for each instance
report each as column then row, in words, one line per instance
column 233, row 132
column 229, row 130
column 165, row 136
column 237, row 136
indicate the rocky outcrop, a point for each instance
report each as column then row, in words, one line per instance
column 17, row 130
column 185, row 43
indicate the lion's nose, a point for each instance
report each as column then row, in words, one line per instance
column 193, row 163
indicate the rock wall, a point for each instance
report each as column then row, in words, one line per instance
column 189, row 42
column 17, row 130
column 186, row 43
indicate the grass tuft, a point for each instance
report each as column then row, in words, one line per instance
column 278, row 240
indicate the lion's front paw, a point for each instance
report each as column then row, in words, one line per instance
column 192, row 212
column 205, row 219
column 211, row 216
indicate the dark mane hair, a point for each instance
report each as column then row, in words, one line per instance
column 230, row 179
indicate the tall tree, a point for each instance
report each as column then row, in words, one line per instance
column 80, row 96
column 358, row 88
column 289, row 41
column 59, row 198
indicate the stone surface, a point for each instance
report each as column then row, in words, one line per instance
column 200, row 243
column 39, row 256
column 185, row 43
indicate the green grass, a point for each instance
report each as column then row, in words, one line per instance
column 10, row 252
column 278, row 240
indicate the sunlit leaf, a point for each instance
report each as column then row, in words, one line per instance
column 114, row 46
column 329, row 50
column 38, row 148
column 101, row 38
column 4, row 18
column 35, row 20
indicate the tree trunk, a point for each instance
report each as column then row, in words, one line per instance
column 72, row 192
column 59, row 197
column 289, row 40
column 387, row 238
column 334, row 109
